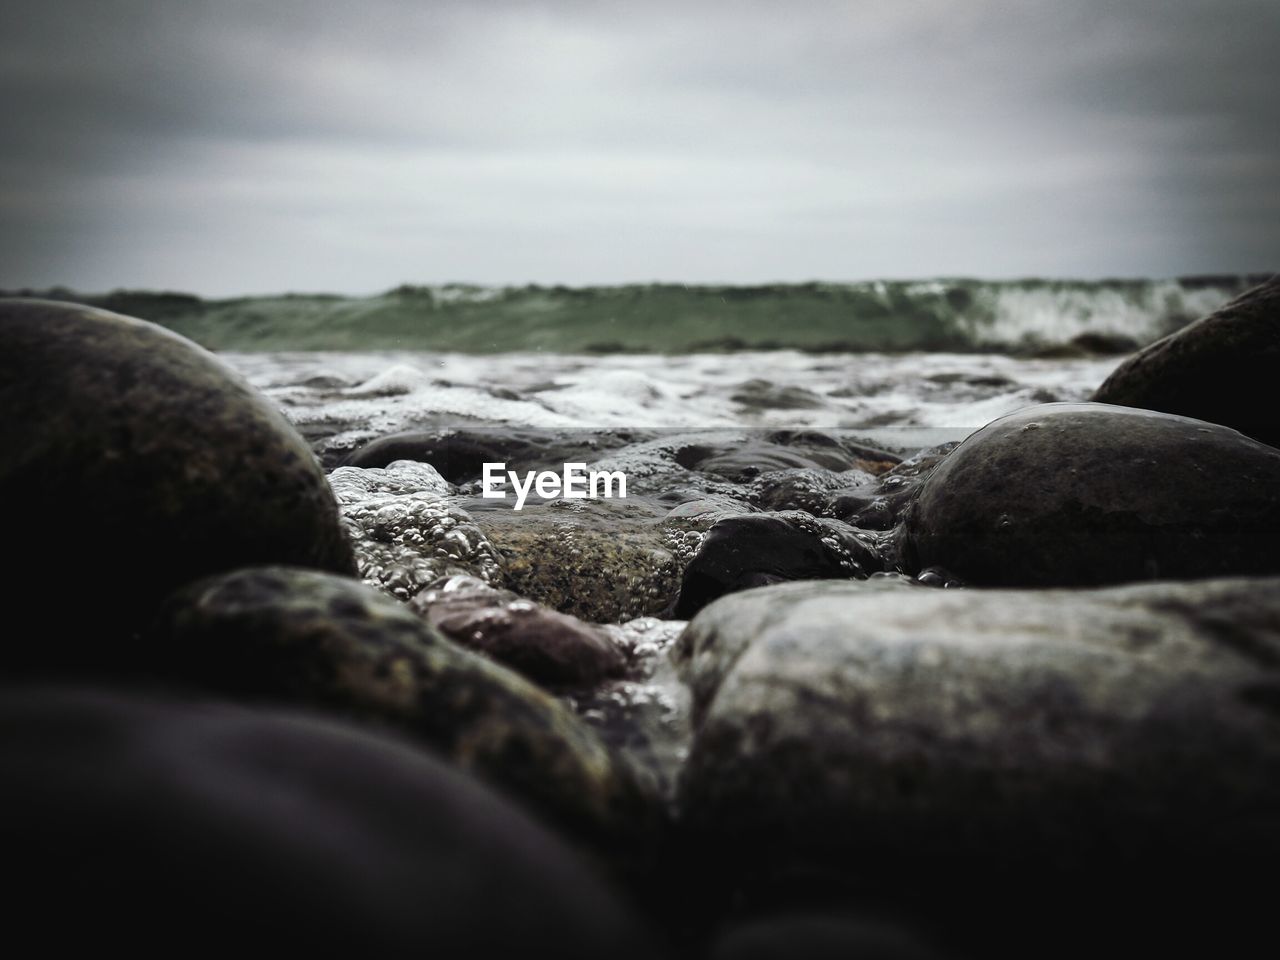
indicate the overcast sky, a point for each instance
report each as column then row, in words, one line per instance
column 233, row 147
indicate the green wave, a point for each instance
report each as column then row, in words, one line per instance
column 1024, row 316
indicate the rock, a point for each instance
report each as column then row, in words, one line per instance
column 878, row 504
column 809, row 490
column 1100, row 344
column 550, row 648
column 765, row 395
column 782, row 450
column 296, row 637
column 460, row 455
column 1004, row 740
column 151, row 822
column 599, row 560
column 133, row 461
column 1087, row 494
column 739, row 553
column 1222, row 368
column 1095, row 344
column 745, row 461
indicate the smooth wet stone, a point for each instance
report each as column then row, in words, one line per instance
column 1222, row 368
column 460, row 455
column 286, row 636
column 151, row 822
column 550, row 648
column 1091, row 494
column 896, row 737
column 133, row 461
column 738, row 553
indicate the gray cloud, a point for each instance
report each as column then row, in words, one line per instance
column 233, row 146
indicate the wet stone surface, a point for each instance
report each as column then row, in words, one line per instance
column 551, row 648
column 277, row 635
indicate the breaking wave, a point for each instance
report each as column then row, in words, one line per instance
column 1048, row 317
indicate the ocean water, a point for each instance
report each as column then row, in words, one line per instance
column 341, row 400
column 954, row 315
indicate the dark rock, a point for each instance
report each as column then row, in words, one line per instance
column 547, row 647
column 765, row 395
column 1222, row 368
column 286, row 636
column 154, row 823
column 1105, row 344
column 1006, row 746
column 1086, row 494
column 133, row 461
column 809, row 490
column 879, row 504
column 782, row 450
column 743, row 462
column 460, row 455
column 739, row 553
column 1088, row 345
column 986, row 381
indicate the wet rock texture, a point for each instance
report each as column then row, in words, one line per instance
column 289, row 636
column 150, row 821
column 135, row 461
column 871, row 731
column 741, row 552
column 547, row 647
column 1222, row 368
column 1085, row 494
column 601, row 561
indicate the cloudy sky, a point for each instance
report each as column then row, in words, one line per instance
column 233, row 147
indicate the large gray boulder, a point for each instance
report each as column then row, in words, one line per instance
column 162, row 825
column 1070, row 494
column 894, row 734
column 133, row 461
column 1223, row 368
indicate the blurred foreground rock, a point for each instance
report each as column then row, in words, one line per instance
column 154, row 823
